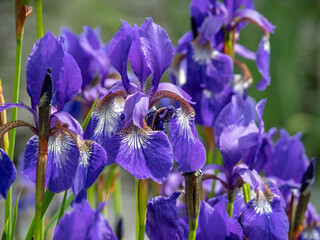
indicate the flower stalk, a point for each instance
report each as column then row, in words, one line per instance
column 39, row 18
column 193, row 195
column 142, row 193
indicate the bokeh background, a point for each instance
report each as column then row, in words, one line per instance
column 293, row 96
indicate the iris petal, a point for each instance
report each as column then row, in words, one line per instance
column 8, row 173
column 142, row 152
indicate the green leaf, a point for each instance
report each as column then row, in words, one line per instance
column 56, row 215
column 86, row 121
column 5, row 229
column 61, row 212
column 15, row 213
column 46, row 201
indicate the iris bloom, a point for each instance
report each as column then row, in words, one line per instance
column 68, row 155
column 118, row 120
column 84, row 223
column 204, row 69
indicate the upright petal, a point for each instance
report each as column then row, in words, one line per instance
column 118, row 49
column 136, row 108
column 47, row 53
column 209, row 216
column 199, row 10
column 289, row 160
column 163, row 218
column 93, row 159
column 157, row 48
column 70, row 82
column 8, row 173
column 65, row 117
column 138, row 60
column 263, row 61
column 142, row 152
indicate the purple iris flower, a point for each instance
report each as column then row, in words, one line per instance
column 90, row 54
column 68, row 155
column 288, row 159
column 164, row 222
column 118, row 120
column 264, row 217
column 8, row 173
column 84, row 223
column 236, row 133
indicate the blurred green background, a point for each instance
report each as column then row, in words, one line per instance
column 293, row 96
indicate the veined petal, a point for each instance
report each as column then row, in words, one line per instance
column 264, row 218
column 8, row 173
column 188, row 151
column 62, row 161
column 70, row 81
column 163, row 218
column 158, row 49
column 169, row 87
column 30, row 155
column 47, row 53
column 93, row 159
column 142, row 152
column 107, row 118
column 118, row 49
column 263, row 61
column 136, row 108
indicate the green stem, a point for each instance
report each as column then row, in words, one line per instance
column 231, row 198
column 118, row 196
column 142, row 193
column 193, row 231
column 12, row 134
column 39, row 18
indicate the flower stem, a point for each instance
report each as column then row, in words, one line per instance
column 142, row 193
column 246, row 192
column 39, row 18
column 118, row 204
column 231, row 198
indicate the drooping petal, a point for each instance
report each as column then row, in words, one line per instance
column 118, row 50
column 263, row 61
column 210, row 216
column 70, row 81
column 93, row 159
column 47, row 53
column 8, row 173
column 253, row 16
column 264, row 218
column 136, row 108
column 4, row 106
column 219, row 72
column 244, row 52
column 83, row 223
column 107, row 118
column 142, row 152
column 169, row 87
column 30, row 155
column 163, row 218
column 158, row 49
column 63, row 159
column 184, row 42
column 188, row 151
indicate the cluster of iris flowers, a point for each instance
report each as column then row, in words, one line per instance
column 232, row 181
